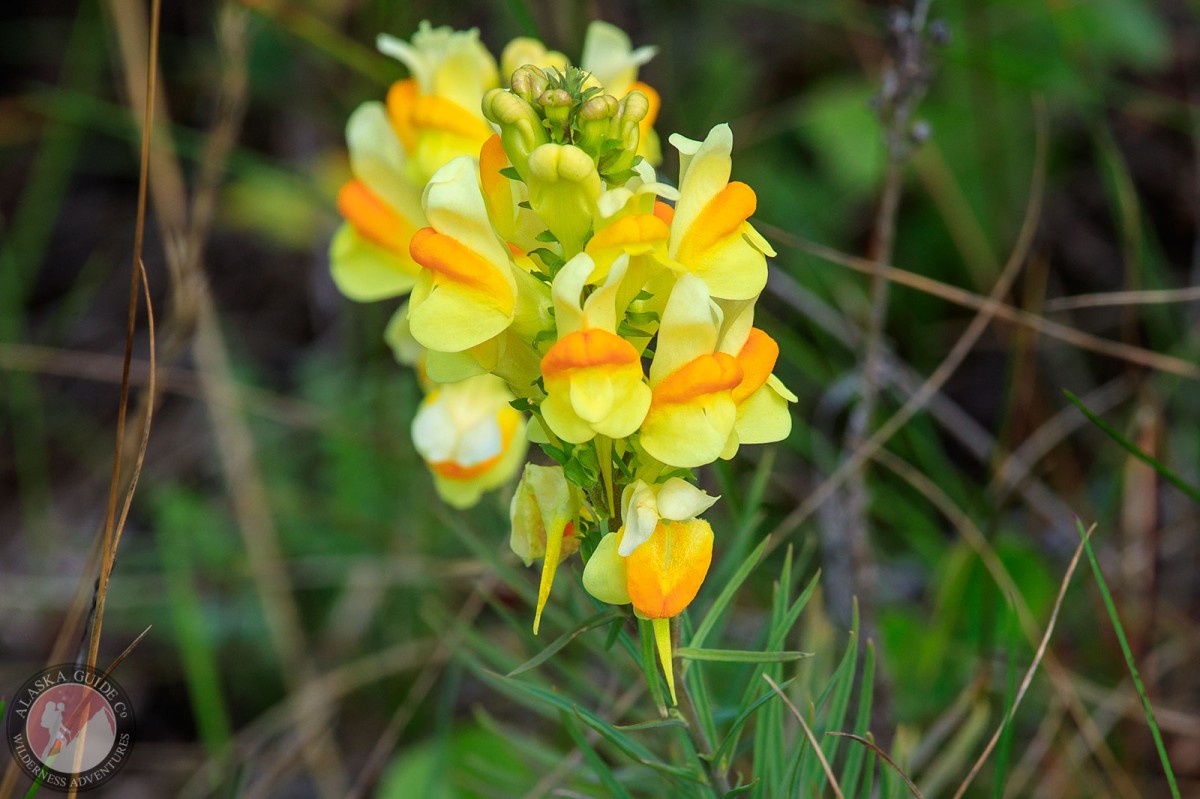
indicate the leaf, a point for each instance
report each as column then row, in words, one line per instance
column 617, row 738
column 598, row 620
column 739, row 655
column 1128, row 653
column 650, row 725
column 512, row 174
column 547, row 237
column 1158, row 466
column 857, row 754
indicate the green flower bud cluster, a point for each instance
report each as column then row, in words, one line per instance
column 568, row 108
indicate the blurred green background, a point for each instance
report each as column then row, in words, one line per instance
column 312, row 601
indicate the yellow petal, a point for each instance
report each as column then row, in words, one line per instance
column 764, row 417
column 688, row 329
column 704, row 169
column 679, row 500
column 454, row 206
column 460, row 299
column 609, row 56
column 604, row 574
column 365, row 271
column 378, row 160
column 693, row 412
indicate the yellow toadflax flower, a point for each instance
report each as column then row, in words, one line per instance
column 693, row 412
column 710, row 237
column 369, row 257
column 466, row 293
column 762, row 399
column 660, row 577
column 593, row 377
column 470, row 437
column 435, row 112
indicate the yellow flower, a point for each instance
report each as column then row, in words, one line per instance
column 543, row 513
column 693, row 412
column 593, row 377
column 524, row 50
column 369, row 258
column 435, row 113
column 466, row 293
column 470, row 437
column 710, row 236
column 660, row 577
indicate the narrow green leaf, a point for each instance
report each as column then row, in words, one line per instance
column 1128, row 653
column 512, row 174
column 838, row 695
column 597, row 764
column 564, row 639
column 852, row 769
column 521, row 689
column 547, row 237
column 1158, row 466
column 650, row 725
column 739, row 655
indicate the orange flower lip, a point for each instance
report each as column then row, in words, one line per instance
column 453, row 262
column 664, row 212
column 584, row 348
column 707, row 374
column 637, row 229
column 410, row 113
column 373, row 218
column 664, row 574
column 721, row 217
column 757, row 358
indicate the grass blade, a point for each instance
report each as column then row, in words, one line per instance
column 1155, row 464
column 740, row 655
column 1128, row 653
column 854, row 760
column 598, row 620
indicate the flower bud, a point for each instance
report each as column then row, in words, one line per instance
column 521, row 128
column 563, row 189
column 542, row 512
column 524, row 51
column 528, row 82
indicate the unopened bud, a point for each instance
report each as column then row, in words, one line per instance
column 634, row 107
column 528, row 82
column 599, row 108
